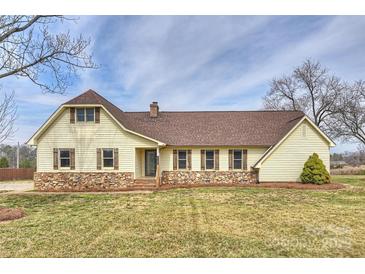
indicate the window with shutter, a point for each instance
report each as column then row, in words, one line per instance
column 209, row 159
column 108, row 157
column 85, row 115
column 182, row 159
column 237, row 159
column 66, row 156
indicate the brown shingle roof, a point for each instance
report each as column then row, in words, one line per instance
column 204, row 128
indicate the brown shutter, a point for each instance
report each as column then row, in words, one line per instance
column 189, row 159
column 216, row 159
column 244, row 159
column 72, row 115
column 55, row 158
column 230, row 159
column 116, row 158
column 202, row 159
column 72, row 158
column 97, row 115
column 98, row 158
column 174, row 159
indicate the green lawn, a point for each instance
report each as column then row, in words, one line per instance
column 203, row 222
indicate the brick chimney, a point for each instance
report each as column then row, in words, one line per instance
column 154, row 110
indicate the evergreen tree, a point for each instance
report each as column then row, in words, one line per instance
column 314, row 171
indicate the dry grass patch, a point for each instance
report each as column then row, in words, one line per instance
column 7, row 214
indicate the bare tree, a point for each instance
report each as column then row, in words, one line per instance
column 349, row 120
column 309, row 88
column 7, row 117
column 29, row 49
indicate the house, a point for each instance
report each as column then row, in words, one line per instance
column 90, row 144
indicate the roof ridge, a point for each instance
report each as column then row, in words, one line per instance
column 98, row 96
column 202, row 111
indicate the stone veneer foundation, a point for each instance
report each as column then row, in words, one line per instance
column 208, row 177
column 82, row 181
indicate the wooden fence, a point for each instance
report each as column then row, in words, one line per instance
column 8, row 174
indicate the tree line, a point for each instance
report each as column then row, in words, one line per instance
column 8, row 156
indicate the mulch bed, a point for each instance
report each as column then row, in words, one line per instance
column 7, row 214
column 285, row 185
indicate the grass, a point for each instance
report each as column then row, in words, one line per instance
column 202, row 222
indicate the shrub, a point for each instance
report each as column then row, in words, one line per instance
column 26, row 163
column 4, row 162
column 314, row 171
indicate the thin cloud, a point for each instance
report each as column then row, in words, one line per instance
column 196, row 62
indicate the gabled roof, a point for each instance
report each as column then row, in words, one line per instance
column 202, row 128
column 274, row 147
column 91, row 97
column 196, row 128
column 215, row 128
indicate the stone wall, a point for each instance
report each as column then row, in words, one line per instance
column 208, row 177
column 82, row 181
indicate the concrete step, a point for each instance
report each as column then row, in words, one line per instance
column 143, row 185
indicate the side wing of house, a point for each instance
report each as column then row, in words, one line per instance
column 85, row 138
column 286, row 162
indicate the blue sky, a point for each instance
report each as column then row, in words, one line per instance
column 196, row 63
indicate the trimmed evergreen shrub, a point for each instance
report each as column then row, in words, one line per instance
column 314, row 171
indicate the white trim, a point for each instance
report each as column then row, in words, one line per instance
column 186, row 159
column 32, row 140
column 102, row 158
column 233, row 168
column 270, row 150
column 206, row 159
column 45, row 125
column 59, row 159
column 85, row 115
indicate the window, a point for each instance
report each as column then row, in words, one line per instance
column 85, row 114
column 108, row 157
column 209, row 159
column 90, row 115
column 80, row 114
column 237, row 159
column 182, row 159
column 65, row 158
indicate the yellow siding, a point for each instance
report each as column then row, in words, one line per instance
column 85, row 138
column 287, row 161
column 166, row 159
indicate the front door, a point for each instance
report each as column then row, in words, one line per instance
column 150, row 163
